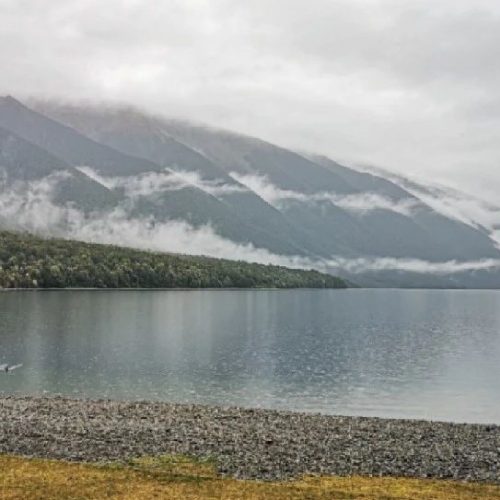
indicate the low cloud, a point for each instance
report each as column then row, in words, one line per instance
column 368, row 264
column 262, row 186
column 167, row 180
column 365, row 202
column 29, row 206
column 454, row 204
column 358, row 202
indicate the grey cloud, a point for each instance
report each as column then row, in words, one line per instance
column 410, row 85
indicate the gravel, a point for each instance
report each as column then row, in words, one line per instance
column 248, row 443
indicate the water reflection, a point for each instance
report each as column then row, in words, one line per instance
column 429, row 354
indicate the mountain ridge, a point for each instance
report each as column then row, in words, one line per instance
column 305, row 207
column 197, row 206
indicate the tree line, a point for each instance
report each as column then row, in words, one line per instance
column 28, row 261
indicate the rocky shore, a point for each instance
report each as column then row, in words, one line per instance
column 249, row 443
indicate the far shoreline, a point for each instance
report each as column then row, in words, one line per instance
column 180, row 289
column 242, row 289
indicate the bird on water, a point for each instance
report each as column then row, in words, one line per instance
column 6, row 368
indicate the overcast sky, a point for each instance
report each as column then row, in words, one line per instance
column 410, row 85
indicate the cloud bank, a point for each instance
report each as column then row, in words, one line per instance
column 29, row 206
column 370, row 264
column 411, row 84
column 358, row 203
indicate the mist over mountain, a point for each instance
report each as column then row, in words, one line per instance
column 122, row 176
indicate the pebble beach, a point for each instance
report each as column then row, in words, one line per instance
column 249, row 443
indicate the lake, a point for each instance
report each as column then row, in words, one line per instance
column 431, row 354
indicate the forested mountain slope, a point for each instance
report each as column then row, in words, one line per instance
column 27, row 261
column 119, row 175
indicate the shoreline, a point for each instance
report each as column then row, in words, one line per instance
column 236, row 289
column 249, row 443
column 173, row 289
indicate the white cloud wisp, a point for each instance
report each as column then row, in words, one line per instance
column 157, row 182
column 360, row 203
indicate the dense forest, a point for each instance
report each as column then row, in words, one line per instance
column 28, row 261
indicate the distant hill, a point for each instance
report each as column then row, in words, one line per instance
column 268, row 202
column 27, row 261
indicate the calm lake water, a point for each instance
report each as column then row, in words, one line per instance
column 390, row 353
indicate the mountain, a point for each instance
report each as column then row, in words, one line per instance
column 135, row 133
column 364, row 181
column 132, row 133
column 426, row 223
column 395, row 223
column 65, row 143
column 184, row 202
column 453, row 203
column 270, row 203
column 316, row 227
column 23, row 165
